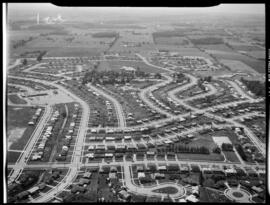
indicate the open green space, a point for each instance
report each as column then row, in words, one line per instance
column 117, row 65
column 18, row 130
column 166, row 190
column 231, row 156
column 16, row 99
column 203, row 157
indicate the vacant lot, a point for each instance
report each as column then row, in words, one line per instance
column 12, row 157
column 18, row 131
column 16, row 99
column 231, row 156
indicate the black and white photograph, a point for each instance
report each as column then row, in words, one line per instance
column 135, row 104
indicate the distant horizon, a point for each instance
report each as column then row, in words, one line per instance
column 251, row 9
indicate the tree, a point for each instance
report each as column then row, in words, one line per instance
column 158, row 76
column 24, row 62
column 209, row 183
column 64, row 114
column 39, row 58
column 217, row 150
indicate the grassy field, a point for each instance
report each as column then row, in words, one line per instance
column 172, row 41
column 231, row 156
column 116, row 65
column 166, row 190
column 16, row 99
column 219, row 47
column 12, row 157
column 237, row 66
column 18, row 120
column 203, row 157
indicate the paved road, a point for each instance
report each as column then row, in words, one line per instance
column 78, row 147
column 33, row 67
column 146, row 62
column 17, row 62
column 239, row 90
column 148, row 161
column 143, row 95
column 118, row 108
column 250, row 134
column 148, row 191
column 212, row 90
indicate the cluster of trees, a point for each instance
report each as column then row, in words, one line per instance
column 114, row 41
column 105, row 35
column 255, row 86
column 217, row 150
column 208, row 78
column 112, row 77
column 185, row 149
column 200, row 84
column 145, row 180
column 70, row 39
column 241, row 152
column 41, row 54
column 207, row 40
column 178, row 76
column 27, row 180
column 227, row 147
column 158, row 76
column 107, row 77
column 82, row 197
column 21, row 43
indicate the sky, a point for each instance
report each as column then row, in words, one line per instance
column 223, row 8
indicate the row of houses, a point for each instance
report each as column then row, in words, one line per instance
column 35, row 117
column 37, row 155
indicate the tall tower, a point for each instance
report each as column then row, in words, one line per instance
column 37, row 18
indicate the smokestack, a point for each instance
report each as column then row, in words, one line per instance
column 37, row 18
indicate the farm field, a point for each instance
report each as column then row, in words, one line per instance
column 184, row 51
column 219, row 47
column 260, row 55
column 237, row 66
column 257, row 65
column 173, row 41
